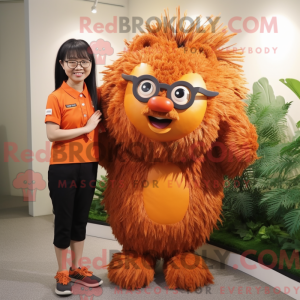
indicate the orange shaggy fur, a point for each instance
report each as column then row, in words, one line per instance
column 225, row 121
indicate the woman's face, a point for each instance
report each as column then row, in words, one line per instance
column 79, row 73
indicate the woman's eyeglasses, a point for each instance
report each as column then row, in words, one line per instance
column 72, row 64
column 182, row 93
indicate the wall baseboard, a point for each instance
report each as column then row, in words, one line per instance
column 100, row 231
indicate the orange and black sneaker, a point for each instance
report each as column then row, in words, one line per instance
column 63, row 283
column 85, row 277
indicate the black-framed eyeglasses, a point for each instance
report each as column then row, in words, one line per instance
column 182, row 93
column 72, row 64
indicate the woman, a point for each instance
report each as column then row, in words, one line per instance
column 72, row 125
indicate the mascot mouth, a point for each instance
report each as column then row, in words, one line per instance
column 159, row 123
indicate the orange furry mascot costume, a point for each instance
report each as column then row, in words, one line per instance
column 175, row 126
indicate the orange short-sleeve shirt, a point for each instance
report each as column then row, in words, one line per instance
column 71, row 109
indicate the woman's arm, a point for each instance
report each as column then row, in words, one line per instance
column 54, row 133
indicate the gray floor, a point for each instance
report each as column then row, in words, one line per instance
column 28, row 265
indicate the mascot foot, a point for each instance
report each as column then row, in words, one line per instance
column 186, row 271
column 130, row 270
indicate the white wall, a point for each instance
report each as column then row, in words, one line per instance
column 13, row 115
column 49, row 24
column 284, row 64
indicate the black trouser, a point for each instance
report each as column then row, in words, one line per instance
column 71, row 189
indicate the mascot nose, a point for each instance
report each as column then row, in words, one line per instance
column 161, row 104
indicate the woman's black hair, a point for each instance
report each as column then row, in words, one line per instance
column 73, row 48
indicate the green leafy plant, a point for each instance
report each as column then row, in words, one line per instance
column 272, row 232
column 271, row 196
column 97, row 208
column 250, row 230
column 291, row 245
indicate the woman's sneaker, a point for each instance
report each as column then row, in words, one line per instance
column 85, row 277
column 63, row 283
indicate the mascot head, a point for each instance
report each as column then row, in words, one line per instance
column 174, row 85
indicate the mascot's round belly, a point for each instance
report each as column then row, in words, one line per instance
column 165, row 198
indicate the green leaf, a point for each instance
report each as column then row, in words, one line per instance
column 265, row 236
column 248, row 237
column 100, row 207
column 250, row 224
column 242, row 232
column 262, row 87
column 253, row 225
column 288, row 245
column 292, row 221
column 283, row 234
column 291, row 148
column 281, row 240
column 98, row 193
column 275, row 228
column 277, row 198
column 297, row 244
column 243, row 203
column 262, row 230
column 293, row 84
column 267, row 96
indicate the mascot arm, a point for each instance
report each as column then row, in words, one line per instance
column 237, row 141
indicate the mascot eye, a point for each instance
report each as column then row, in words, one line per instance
column 146, row 89
column 180, row 95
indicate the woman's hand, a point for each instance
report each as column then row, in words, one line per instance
column 93, row 121
column 54, row 133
